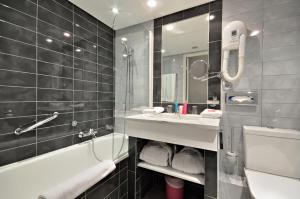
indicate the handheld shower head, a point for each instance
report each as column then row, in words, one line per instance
column 127, row 50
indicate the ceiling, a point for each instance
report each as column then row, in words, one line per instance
column 133, row 12
column 187, row 36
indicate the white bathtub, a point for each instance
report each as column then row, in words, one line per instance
column 28, row 178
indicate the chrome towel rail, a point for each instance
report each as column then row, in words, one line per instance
column 24, row 128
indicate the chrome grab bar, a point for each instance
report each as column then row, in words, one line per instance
column 22, row 129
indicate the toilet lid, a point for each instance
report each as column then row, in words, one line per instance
column 268, row 186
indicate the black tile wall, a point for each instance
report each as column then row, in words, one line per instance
column 54, row 57
column 215, row 38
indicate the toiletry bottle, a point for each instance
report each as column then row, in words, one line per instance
column 181, row 109
column 185, row 108
column 176, row 107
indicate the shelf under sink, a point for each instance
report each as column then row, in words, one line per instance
column 198, row 179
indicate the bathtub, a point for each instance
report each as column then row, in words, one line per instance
column 28, row 178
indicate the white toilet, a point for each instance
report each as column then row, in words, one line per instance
column 272, row 162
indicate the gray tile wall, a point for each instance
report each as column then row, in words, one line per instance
column 272, row 69
column 53, row 57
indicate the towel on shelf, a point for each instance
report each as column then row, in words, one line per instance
column 189, row 160
column 211, row 113
column 157, row 153
column 168, row 87
column 78, row 184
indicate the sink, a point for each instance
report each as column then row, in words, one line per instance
column 188, row 130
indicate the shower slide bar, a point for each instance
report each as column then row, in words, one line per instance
column 32, row 125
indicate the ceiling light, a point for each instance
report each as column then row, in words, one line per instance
column 125, row 55
column 163, row 50
column 49, row 40
column 77, row 25
column 151, row 3
column 169, row 27
column 94, row 46
column 210, row 17
column 78, row 50
column 66, row 34
column 254, row 33
column 123, row 39
column 115, row 10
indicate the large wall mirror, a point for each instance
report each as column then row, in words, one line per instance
column 184, row 60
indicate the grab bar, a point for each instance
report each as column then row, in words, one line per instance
column 22, row 129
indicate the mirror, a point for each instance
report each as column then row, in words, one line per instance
column 185, row 48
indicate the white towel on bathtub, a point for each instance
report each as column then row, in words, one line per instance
column 76, row 185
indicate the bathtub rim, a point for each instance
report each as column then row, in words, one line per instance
column 53, row 153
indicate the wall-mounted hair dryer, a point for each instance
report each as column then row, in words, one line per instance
column 234, row 38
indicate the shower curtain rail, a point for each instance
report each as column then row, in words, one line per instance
column 32, row 125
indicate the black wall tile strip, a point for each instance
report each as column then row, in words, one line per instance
column 12, row 78
column 47, row 16
column 17, row 154
column 57, row 9
column 51, row 145
column 55, row 32
column 24, row 6
column 54, row 70
column 17, row 94
column 11, row 62
column 15, row 32
column 17, row 48
column 13, row 16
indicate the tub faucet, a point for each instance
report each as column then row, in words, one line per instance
column 91, row 132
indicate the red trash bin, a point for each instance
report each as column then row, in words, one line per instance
column 174, row 188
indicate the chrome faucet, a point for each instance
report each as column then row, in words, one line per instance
column 91, row 132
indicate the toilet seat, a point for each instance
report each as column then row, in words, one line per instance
column 268, row 186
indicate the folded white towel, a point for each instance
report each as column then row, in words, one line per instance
column 76, row 185
column 189, row 160
column 157, row 153
column 156, row 109
column 211, row 113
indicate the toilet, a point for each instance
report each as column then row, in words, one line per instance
column 272, row 162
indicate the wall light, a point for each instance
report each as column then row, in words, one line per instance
column 115, row 10
column 163, row 50
column 151, row 3
column 66, row 34
column 254, row 33
column 123, row 39
column 49, row 40
column 169, row 27
column 210, row 17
